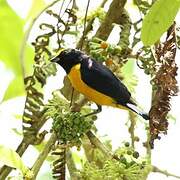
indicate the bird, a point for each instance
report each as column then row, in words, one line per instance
column 95, row 81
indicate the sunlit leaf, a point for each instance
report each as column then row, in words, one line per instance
column 10, row 158
column 159, row 18
column 128, row 68
column 36, row 7
column 15, row 88
column 11, row 35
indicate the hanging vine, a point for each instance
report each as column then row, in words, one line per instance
column 165, row 83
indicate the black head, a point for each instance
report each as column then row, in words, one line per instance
column 68, row 58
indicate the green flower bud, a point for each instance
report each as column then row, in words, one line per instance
column 135, row 154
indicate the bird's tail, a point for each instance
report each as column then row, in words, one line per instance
column 135, row 109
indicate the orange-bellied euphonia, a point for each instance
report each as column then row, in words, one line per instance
column 96, row 81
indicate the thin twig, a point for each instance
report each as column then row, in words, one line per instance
column 76, row 107
column 88, row 28
column 97, row 143
column 71, row 166
column 57, row 25
column 66, row 8
column 85, row 32
column 103, row 3
column 66, row 24
column 85, row 19
column 164, row 172
column 72, row 94
column 42, row 156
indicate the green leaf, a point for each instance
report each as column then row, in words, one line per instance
column 36, row 7
column 10, row 158
column 11, row 34
column 159, row 18
column 128, row 68
column 15, row 88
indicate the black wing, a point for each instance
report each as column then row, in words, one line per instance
column 100, row 78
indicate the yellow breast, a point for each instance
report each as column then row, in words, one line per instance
column 91, row 94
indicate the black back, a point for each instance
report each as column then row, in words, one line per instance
column 100, row 78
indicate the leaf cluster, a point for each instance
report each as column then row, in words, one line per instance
column 129, row 167
column 69, row 126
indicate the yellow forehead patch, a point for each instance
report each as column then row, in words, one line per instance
column 60, row 50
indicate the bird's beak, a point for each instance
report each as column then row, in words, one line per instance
column 55, row 59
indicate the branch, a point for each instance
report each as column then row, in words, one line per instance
column 164, row 172
column 71, row 166
column 80, row 103
column 42, row 156
column 5, row 170
column 103, row 3
column 113, row 15
column 86, row 31
column 85, row 19
column 88, row 27
column 97, row 143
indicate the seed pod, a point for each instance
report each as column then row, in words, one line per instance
column 135, row 154
column 129, row 152
column 127, row 144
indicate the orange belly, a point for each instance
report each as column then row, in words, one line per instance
column 91, row 94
